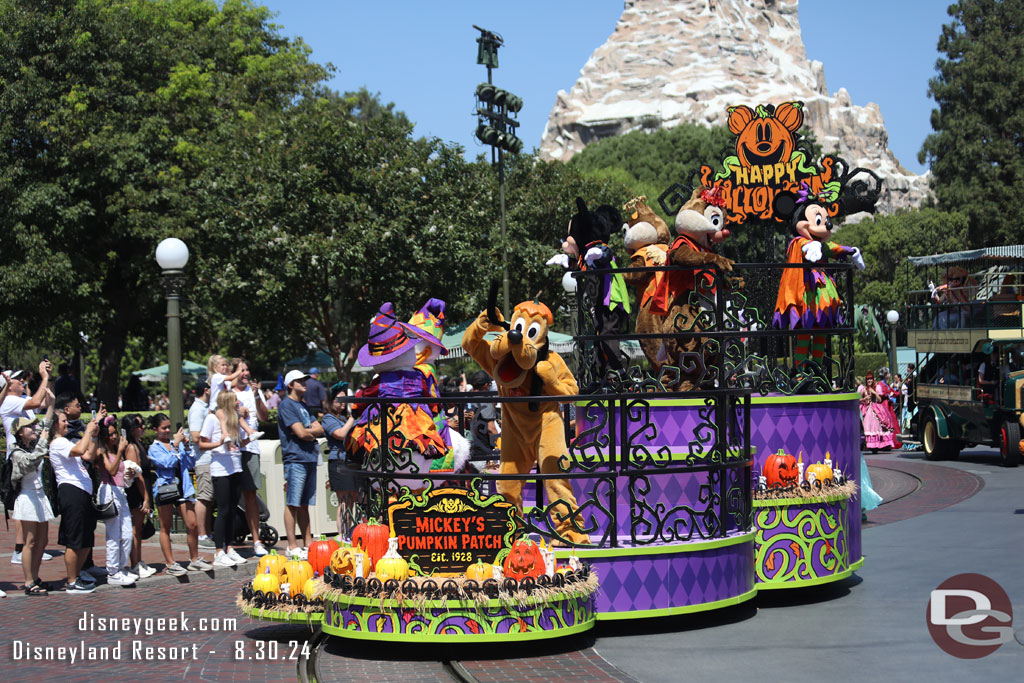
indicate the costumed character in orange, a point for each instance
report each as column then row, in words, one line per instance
column 431, row 320
column 412, row 438
column 808, row 298
column 699, row 225
column 531, row 433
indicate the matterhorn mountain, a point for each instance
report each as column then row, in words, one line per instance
column 685, row 61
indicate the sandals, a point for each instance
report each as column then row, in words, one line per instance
column 36, row 589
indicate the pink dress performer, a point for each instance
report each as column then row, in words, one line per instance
column 874, row 418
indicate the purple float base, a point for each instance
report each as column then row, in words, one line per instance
column 651, row 581
column 670, row 432
column 803, row 543
column 809, row 427
column 457, row 621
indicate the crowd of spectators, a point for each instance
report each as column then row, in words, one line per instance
column 79, row 472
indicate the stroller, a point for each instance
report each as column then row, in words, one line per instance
column 268, row 534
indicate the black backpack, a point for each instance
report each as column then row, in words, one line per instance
column 8, row 490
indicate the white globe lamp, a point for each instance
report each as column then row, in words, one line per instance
column 569, row 282
column 172, row 254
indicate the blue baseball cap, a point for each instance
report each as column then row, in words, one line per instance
column 314, row 371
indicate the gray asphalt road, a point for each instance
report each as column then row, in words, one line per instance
column 869, row 627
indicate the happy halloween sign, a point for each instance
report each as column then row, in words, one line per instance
column 765, row 161
column 448, row 529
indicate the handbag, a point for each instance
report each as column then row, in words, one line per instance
column 103, row 510
column 148, row 529
column 168, row 494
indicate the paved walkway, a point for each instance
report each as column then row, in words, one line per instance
column 12, row 576
column 871, row 626
column 940, row 519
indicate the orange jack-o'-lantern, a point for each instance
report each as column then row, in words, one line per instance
column 345, row 561
column 780, row 470
column 765, row 136
column 819, row 472
column 524, row 559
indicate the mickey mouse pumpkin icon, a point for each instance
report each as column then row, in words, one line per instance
column 765, row 135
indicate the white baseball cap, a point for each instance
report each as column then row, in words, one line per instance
column 293, row 376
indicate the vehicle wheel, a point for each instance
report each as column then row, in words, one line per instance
column 1009, row 444
column 936, row 448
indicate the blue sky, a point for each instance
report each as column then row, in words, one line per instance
column 422, row 55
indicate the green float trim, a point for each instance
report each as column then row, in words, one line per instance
column 379, row 605
column 283, row 617
column 802, row 583
column 733, row 457
column 693, row 546
column 755, row 400
column 459, row 637
column 787, row 502
column 673, row 611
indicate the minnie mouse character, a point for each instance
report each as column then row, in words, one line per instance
column 808, row 298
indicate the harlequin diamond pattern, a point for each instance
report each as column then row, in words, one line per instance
column 645, row 582
column 670, row 490
column 812, row 429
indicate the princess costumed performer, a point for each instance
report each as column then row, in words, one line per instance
column 391, row 351
column 808, row 298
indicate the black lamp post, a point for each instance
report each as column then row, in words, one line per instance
column 172, row 255
column 495, row 127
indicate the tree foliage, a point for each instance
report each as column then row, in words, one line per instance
column 112, row 112
column 887, row 241
column 976, row 153
column 649, row 162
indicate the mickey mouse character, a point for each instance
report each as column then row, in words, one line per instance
column 521, row 365
column 808, row 298
column 587, row 244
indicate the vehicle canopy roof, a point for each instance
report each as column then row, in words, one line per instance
column 1013, row 252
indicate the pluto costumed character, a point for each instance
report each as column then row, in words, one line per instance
column 699, row 225
column 808, row 298
column 531, row 433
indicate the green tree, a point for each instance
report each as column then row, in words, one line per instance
column 648, row 163
column 887, row 241
column 112, row 112
column 353, row 211
column 976, row 153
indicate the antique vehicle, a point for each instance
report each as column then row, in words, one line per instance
column 970, row 351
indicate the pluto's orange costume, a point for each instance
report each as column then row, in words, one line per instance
column 521, row 365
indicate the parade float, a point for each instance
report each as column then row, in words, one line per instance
column 724, row 463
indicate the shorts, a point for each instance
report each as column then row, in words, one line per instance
column 340, row 474
column 77, row 520
column 204, row 484
column 301, row 479
column 250, row 471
